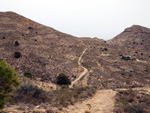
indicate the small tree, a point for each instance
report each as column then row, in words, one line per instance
column 8, row 80
column 63, row 79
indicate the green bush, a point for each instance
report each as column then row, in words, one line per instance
column 126, row 58
column 16, row 43
column 63, row 79
column 63, row 86
column 8, row 81
column 17, row 54
column 28, row 74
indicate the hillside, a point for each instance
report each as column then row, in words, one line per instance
column 46, row 52
column 134, row 37
column 108, row 69
column 97, row 68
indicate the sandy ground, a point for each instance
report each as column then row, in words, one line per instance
column 101, row 102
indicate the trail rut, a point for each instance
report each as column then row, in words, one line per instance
column 85, row 71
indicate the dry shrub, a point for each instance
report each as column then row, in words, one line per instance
column 132, row 102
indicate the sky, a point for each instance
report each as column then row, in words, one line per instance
column 103, row 19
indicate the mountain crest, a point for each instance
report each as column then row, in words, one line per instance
column 137, row 28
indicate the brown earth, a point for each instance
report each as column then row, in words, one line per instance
column 47, row 52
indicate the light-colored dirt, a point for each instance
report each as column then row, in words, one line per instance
column 137, row 88
column 101, row 102
column 85, row 71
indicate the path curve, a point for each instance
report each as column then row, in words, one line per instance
column 85, row 71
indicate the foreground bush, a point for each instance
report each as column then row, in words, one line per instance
column 65, row 97
column 8, row 81
column 31, row 94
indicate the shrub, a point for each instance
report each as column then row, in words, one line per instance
column 136, row 109
column 30, row 92
column 16, row 43
column 28, row 74
column 122, row 73
column 63, row 86
column 63, row 79
column 17, row 54
column 126, row 58
column 30, row 28
column 132, row 102
column 8, row 81
column 105, row 49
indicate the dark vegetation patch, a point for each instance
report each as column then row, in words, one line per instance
column 30, row 94
column 28, row 74
column 63, row 79
column 126, row 57
column 16, row 43
column 17, row 54
column 132, row 102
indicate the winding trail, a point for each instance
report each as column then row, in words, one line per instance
column 85, row 71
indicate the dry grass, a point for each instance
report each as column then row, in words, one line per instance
column 29, row 94
column 132, row 102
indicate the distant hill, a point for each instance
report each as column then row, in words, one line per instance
column 136, row 37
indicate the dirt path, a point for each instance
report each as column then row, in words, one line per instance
column 85, row 71
column 101, row 102
column 137, row 88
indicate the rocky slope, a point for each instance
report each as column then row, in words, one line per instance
column 135, row 37
column 109, row 70
column 46, row 52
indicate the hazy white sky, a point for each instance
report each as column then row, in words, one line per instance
column 84, row 18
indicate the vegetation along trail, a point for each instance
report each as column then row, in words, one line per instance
column 102, row 102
